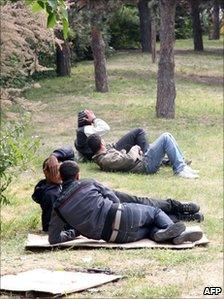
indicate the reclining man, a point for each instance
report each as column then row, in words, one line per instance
column 96, row 213
column 138, row 162
column 89, row 124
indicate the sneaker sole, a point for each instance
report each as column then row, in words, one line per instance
column 171, row 232
column 188, row 237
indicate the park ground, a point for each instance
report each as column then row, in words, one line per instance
column 198, row 127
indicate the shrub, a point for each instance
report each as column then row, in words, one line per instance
column 16, row 151
column 124, row 28
column 24, row 38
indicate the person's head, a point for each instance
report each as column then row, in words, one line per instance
column 82, row 121
column 95, row 143
column 50, row 179
column 69, row 170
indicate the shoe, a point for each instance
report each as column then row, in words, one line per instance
column 170, row 232
column 187, row 174
column 189, row 207
column 198, row 217
column 191, row 234
column 195, row 171
column 183, row 207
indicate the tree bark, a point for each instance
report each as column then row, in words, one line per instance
column 196, row 23
column 98, row 48
column 63, row 56
column 215, row 20
column 145, row 25
column 153, row 40
column 166, row 92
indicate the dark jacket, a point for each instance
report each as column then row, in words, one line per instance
column 45, row 195
column 84, row 205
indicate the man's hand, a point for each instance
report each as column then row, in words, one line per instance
column 136, row 151
column 52, row 165
column 90, row 116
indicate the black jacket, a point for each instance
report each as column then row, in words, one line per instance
column 84, row 205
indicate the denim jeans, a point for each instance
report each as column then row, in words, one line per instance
column 134, row 137
column 165, row 144
column 140, row 221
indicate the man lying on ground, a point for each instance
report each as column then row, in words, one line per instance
column 138, row 162
column 89, row 124
column 95, row 212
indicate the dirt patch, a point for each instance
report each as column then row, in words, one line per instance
column 215, row 51
column 209, row 80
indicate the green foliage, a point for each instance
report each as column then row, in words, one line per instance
column 56, row 11
column 16, row 151
column 183, row 24
column 124, row 28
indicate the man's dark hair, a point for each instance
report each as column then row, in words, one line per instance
column 94, row 142
column 68, row 170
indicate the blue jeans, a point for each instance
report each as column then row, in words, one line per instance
column 165, row 144
column 140, row 221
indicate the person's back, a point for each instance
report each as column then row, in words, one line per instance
column 45, row 194
column 84, row 206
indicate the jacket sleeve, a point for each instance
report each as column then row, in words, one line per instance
column 63, row 154
column 99, row 127
column 56, row 232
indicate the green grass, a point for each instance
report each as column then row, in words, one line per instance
column 130, row 103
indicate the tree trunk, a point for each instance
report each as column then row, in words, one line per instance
column 145, row 25
column 63, row 56
column 215, row 20
column 196, row 23
column 166, row 93
column 153, row 40
column 98, row 48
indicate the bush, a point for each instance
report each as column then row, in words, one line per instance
column 25, row 41
column 183, row 23
column 124, row 28
column 16, row 151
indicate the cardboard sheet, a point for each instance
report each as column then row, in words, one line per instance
column 41, row 241
column 54, row 282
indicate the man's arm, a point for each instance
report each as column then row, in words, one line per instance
column 59, row 155
column 98, row 126
column 63, row 154
column 56, row 233
column 106, row 192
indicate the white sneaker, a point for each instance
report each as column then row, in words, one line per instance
column 187, row 174
column 195, row 171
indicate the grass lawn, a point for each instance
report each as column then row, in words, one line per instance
column 198, row 128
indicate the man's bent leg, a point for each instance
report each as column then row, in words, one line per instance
column 134, row 137
column 137, row 221
column 165, row 144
